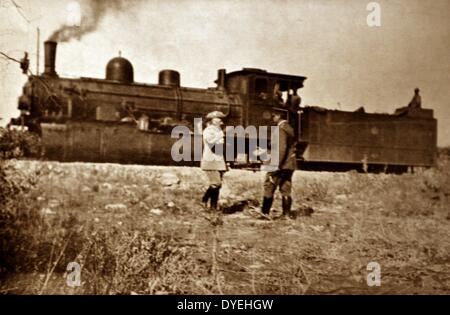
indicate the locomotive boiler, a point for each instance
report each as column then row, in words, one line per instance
column 121, row 121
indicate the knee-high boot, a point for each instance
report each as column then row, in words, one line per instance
column 287, row 203
column 215, row 197
column 267, row 204
column 207, row 195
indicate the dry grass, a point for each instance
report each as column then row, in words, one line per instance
column 107, row 215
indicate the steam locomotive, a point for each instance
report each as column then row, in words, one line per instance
column 118, row 120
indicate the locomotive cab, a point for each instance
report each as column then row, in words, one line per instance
column 263, row 92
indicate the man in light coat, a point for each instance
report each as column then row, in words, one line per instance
column 287, row 163
column 213, row 161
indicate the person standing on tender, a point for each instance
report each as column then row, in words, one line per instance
column 213, row 161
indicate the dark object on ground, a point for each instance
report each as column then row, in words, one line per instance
column 238, row 206
column 305, row 211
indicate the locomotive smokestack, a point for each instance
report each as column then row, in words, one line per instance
column 221, row 73
column 50, row 56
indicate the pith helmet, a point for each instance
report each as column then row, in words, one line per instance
column 215, row 114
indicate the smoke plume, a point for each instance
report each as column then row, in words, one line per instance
column 92, row 12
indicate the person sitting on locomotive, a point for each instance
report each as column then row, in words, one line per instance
column 416, row 101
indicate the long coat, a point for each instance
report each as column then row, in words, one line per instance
column 287, row 144
column 286, row 147
column 213, row 160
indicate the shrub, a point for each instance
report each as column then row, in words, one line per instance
column 16, row 144
column 17, row 223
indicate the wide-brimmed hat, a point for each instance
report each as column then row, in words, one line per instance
column 215, row 114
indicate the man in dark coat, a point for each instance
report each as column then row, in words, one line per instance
column 293, row 105
column 287, row 163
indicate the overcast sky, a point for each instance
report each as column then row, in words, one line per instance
column 348, row 63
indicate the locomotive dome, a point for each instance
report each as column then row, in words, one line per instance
column 119, row 69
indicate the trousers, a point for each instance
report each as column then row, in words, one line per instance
column 214, row 178
column 281, row 179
